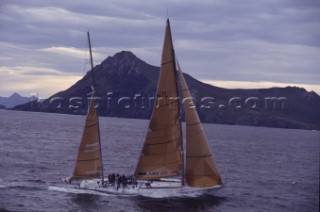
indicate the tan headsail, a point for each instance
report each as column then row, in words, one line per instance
column 201, row 170
column 161, row 153
column 88, row 164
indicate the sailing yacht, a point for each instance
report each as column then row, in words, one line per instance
column 164, row 164
column 163, row 155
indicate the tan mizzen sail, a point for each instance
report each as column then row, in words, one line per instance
column 161, row 153
column 201, row 170
column 88, row 164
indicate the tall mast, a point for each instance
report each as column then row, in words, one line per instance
column 98, row 125
column 181, row 136
column 91, row 60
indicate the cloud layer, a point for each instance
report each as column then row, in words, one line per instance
column 215, row 41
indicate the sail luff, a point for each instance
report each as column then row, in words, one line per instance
column 201, row 169
column 161, row 152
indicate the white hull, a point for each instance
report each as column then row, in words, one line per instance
column 157, row 189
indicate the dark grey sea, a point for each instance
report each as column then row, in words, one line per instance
column 263, row 169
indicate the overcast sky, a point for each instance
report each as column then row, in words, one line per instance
column 252, row 44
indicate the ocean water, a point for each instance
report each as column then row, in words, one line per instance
column 263, row 169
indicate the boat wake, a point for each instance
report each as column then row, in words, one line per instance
column 23, row 185
column 159, row 190
column 78, row 191
column 172, row 193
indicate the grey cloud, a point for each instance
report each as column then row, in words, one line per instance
column 215, row 39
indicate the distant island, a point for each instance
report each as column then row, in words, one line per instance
column 126, row 85
column 14, row 100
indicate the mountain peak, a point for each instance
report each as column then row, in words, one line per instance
column 123, row 57
column 127, row 55
column 14, row 99
column 124, row 62
column 15, row 95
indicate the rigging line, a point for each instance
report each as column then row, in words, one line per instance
column 85, row 59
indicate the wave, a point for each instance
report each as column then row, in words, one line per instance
column 22, row 185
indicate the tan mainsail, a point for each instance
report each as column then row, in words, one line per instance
column 201, row 170
column 88, row 163
column 161, row 153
